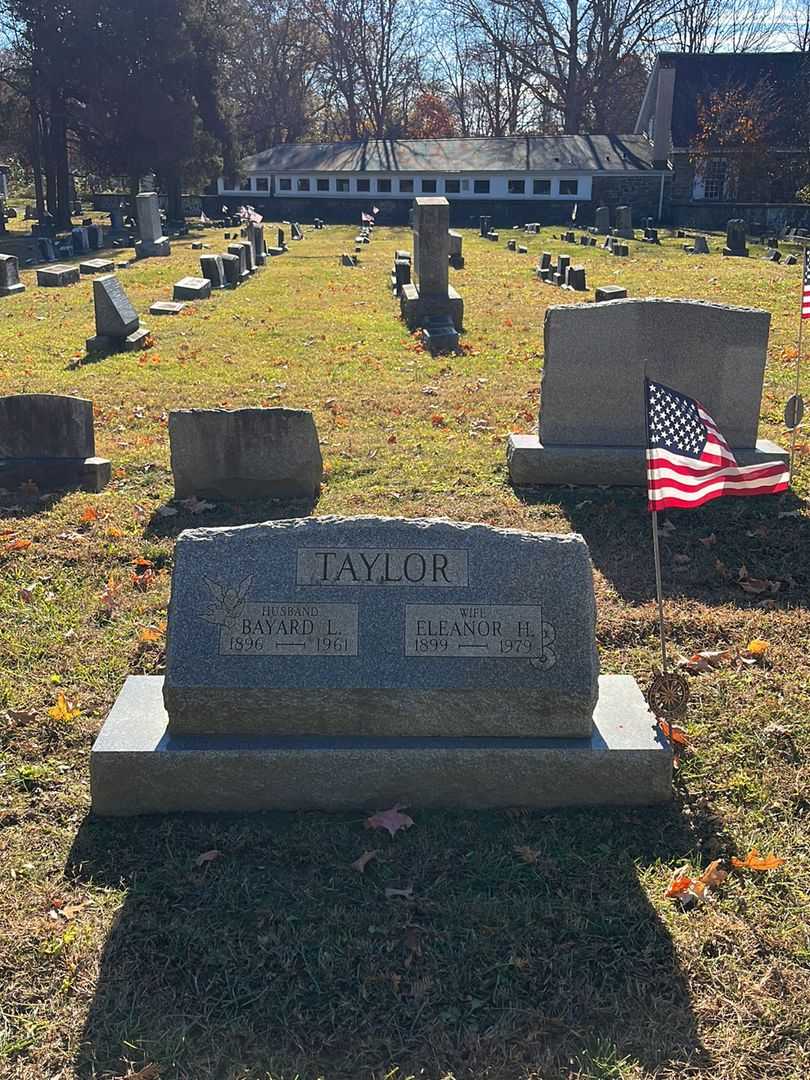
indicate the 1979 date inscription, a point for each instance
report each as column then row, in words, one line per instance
column 514, row 631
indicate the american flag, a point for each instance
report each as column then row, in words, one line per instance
column 688, row 460
column 806, row 285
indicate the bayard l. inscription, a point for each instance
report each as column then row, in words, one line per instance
column 279, row 628
column 426, row 567
column 503, row 631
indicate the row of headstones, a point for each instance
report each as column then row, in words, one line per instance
column 273, row 453
column 564, row 274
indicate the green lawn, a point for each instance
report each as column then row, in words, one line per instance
column 277, row 960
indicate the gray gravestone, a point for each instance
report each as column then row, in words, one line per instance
column 340, row 663
column 96, row 266
column 699, row 246
column 624, row 222
column 166, row 307
column 431, row 295
column 118, row 328
column 456, row 241
column 592, row 413
column 610, row 292
column 192, row 288
column 57, row 276
column 152, row 242
column 212, row 269
column 245, row 453
column 49, row 439
column 81, row 240
column 736, row 238
column 10, row 276
column 232, row 268
column 238, row 250
column 602, row 219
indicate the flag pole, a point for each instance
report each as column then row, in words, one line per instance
column 798, row 361
column 659, row 591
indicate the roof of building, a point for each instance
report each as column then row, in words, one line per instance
column 518, row 153
column 698, row 75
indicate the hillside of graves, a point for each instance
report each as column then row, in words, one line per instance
column 509, row 944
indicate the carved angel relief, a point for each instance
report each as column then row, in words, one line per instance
column 228, row 604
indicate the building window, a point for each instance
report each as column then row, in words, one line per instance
column 341, row 184
column 429, row 187
column 302, row 183
column 322, row 185
column 284, row 183
column 452, row 187
column 364, row 185
column 383, row 185
column 481, row 187
column 569, row 187
column 262, row 183
column 245, row 185
column 714, row 179
column 541, row 187
column 406, row 185
column 517, row 187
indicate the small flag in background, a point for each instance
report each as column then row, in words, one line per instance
column 688, row 460
column 375, row 209
column 806, row 285
column 366, row 219
column 574, row 212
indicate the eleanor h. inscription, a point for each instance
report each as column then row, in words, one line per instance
column 515, row 631
column 380, row 626
column 378, row 566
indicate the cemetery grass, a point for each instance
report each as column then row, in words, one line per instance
column 525, row 945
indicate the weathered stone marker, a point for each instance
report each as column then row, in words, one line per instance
column 212, row 269
column 336, row 663
column 592, row 415
column 150, row 229
column 192, row 288
column 432, row 297
column 118, row 328
column 10, row 276
column 736, row 238
column 57, row 276
column 49, row 439
column 456, row 242
column 624, row 222
column 245, row 453
column 602, row 220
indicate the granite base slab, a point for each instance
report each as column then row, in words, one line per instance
column 137, row 768
column 56, row 474
column 531, row 464
column 11, row 290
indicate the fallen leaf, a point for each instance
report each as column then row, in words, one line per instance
column 360, row 864
column 406, row 893
column 148, row 1072
column 197, row 506
column 679, row 885
column 208, row 857
column 18, row 545
column 149, row 634
column 714, row 875
column 64, row 710
column 674, row 733
column 527, row 854
column 89, row 514
column 707, row 660
column 754, row 861
column 392, row 820
column 757, row 647
column 111, row 597
column 114, row 533
column 26, row 594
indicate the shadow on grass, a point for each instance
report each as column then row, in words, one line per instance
column 703, row 555
column 278, row 959
column 223, row 514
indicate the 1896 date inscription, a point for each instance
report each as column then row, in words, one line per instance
column 514, row 631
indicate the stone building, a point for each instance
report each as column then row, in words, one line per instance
column 707, row 191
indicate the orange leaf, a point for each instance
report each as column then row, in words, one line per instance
column 754, row 861
column 18, row 545
column 674, row 733
column 89, row 514
column 714, row 874
column 679, row 885
column 63, row 710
